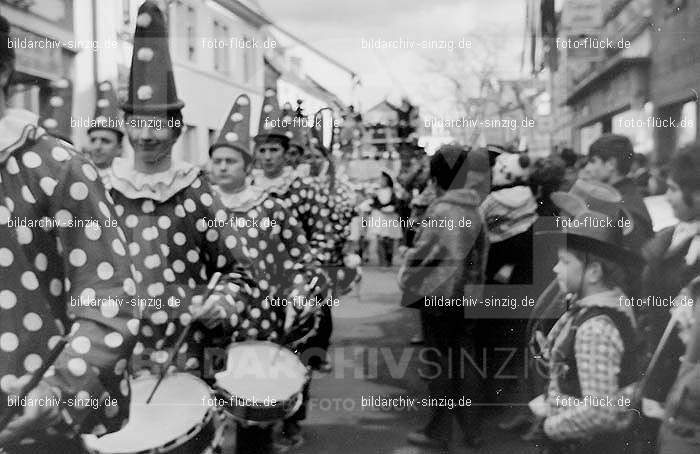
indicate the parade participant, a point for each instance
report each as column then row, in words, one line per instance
column 278, row 248
column 105, row 135
column 609, row 161
column 308, row 204
column 179, row 234
column 591, row 348
column 63, row 269
column 55, row 113
column 277, row 245
column 449, row 264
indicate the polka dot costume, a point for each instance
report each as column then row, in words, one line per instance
column 282, row 261
column 61, row 263
column 309, row 204
column 178, row 236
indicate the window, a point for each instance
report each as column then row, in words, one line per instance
column 126, row 12
column 248, row 61
column 213, row 135
column 221, row 52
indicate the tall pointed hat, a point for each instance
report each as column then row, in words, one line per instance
column 107, row 109
column 55, row 111
column 151, row 81
column 236, row 130
column 269, row 126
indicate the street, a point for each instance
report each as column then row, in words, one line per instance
column 372, row 356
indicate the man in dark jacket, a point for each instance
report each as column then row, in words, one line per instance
column 609, row 161
column 445, row 268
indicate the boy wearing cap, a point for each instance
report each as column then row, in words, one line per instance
column 590, row 349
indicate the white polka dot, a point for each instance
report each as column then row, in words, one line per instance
column 152, row 261
column 24, row 235
column 8, row 342
column 185, row 319
column 131, row 221
column 118, row 247
column 27, row 195
column 32, row 321
column 32, row 362
column 179, row 238
column 113, row 340
column 129, row 286
column 133, row 326
column 119, row 209
column 6, row 257
column 164, row 222
column 148, row 206
column 4, row 215
column 89, row 171
column 201, row 225
column 159, row 317
column 231, row 242
column 120, row 366
column 77, row 366
column 64, row 218
column 56, row 287
column 180, row 211
column 78, row 191
column 206, row 199
column 12, row 166
column 8, row 299
column 212, row 235
column 156, row 289
column 81, row 345
column 77, row 257
column 109, row 310
column 134, row 249
column 31, row 160
column 190, row 205
column 93, row 231
column 105, row 271
column 29, row 280
column 169, row 275
column 178, row 266
column 192, row 256
column 150, row 233
column 41, row 262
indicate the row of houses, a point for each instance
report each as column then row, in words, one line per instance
column 644, row 86
column 219, row 48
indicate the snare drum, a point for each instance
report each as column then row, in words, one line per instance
column 263, row 382
column 179, row 419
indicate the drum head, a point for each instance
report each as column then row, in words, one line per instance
column 179, row 404
column 259, row 370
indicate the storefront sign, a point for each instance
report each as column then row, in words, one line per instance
column 580, row 16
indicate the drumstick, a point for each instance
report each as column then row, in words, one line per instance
column 34, row 381
column 180, row 340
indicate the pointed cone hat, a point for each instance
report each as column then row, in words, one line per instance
column 151, row 81
column 55, row 111
column 270, row 119
column 236, row 130
column 107, row 109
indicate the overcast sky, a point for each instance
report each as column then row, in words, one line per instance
column 338, row 28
